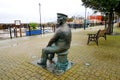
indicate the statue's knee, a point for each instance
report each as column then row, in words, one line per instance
column 43, row 50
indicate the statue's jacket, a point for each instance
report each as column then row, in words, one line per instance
column 62, row 37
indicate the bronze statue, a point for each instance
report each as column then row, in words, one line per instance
column 59, row 43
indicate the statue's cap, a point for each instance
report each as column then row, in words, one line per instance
column 62, row 14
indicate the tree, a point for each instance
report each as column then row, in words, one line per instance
column 33, row 25
column 106, row 6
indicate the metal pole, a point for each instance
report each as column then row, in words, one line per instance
column 85, row 18
column 40, row 15
column 10, row 32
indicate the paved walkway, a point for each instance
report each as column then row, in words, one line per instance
column 91, row 62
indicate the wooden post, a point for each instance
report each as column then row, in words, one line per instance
column 10, row 31
column 15, row 31
column 20, row 31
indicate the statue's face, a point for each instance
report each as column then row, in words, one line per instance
column 60, row 19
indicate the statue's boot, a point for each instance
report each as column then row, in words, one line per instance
column 42, row 62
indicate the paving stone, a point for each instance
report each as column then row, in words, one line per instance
column 16, row 55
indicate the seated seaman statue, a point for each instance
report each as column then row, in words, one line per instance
column 59, row 44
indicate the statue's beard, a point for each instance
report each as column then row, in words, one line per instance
column 60, row 23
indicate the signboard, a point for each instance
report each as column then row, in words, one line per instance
column 17, row 22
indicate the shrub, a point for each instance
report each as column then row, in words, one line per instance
column 33, row 26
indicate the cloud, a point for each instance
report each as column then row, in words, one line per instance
column 28, row 10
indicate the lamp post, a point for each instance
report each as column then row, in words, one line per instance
column 40, row 15
column 85, row 18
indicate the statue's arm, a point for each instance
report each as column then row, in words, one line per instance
column 53, row 39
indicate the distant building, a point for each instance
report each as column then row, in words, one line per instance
column 77, row 22
column 95, row 18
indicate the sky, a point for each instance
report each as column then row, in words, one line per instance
column 28, row 10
